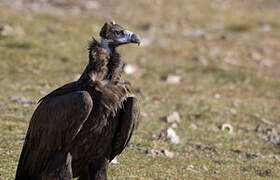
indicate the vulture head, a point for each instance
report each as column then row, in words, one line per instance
column 114, row 35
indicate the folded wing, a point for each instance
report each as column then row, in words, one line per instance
column 128, row 120
column 53, row 126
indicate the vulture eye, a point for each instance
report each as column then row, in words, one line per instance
column 119, row 33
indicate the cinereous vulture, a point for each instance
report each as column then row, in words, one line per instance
column 79, row 128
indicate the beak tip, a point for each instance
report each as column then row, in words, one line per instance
column 136, row 39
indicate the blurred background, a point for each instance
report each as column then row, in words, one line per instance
column 207, row 75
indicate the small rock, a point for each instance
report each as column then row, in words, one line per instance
column 252, row 156
column 173, row 117
column 257, row 116
column 276, row 157
column 266, row 28
column 273, row 137
column 256, row 56
column 24, row 101
column 266, row 62
column 172, row 79
column 227, row 127
column 6, row 30
column 154, row 153
column 233, row 111
column 193, row 126
column 267, row 122
column 131, row 69
column 205, row 168
column 168, row 153
column 171, row 134
column 189, row 168
column 217, row 96
column 114, row 161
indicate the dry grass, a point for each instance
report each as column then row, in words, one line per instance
column 235, row 58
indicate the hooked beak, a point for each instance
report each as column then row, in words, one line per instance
column 130, row 37
column 135, row 39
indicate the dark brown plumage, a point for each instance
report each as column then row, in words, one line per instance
column 80, row 127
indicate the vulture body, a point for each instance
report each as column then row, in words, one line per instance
column 80, row 127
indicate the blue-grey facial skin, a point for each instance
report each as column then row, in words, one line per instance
column 129, row 37
column 126, row 37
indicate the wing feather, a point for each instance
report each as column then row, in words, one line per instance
column 67, row 88
column 128, row 119
column 53, row 126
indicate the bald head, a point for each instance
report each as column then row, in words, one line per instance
column 114, row 35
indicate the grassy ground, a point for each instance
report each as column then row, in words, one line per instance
column 226, row 52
